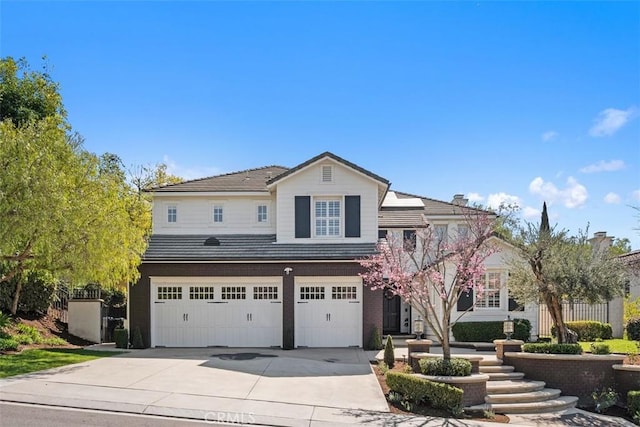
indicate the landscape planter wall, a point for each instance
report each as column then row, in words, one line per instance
column 474, row 386
column 575, row 375
column 415, row 360
column 627, row 378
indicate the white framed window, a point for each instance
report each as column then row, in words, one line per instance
column 169, row 292
column 492, row 286
column 326, row 173
column 327, row 217
column 234, row 292
column 441, row 233
column 463, row 231
column 344, row 292
column 172, row 213
column 263, row 214
column 311, row 292
column 218, row 214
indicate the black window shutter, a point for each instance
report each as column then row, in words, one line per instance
column 352, row 216
column 466, row 301
column 514, row 306
column 303, row 216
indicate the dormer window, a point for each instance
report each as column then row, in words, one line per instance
column 218, row 214
column 327, row 173
column 172, row 213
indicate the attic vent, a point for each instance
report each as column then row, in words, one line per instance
column 327, row 174
column 212, row 241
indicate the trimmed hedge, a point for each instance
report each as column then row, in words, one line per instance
column 633, row 329
column 547, row 348
column 588, row 330
column 600, row 348
column 389, row 352
column 455, row 367
column 633, row 402
column 490, row 330
column 418, row 390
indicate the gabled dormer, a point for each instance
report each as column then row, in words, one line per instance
column 327, row 199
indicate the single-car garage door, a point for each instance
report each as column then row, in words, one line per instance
column 211, row 312
column 328, row 312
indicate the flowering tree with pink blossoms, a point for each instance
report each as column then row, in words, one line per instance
column 432, row 273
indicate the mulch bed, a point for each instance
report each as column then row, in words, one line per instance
column 426, row 410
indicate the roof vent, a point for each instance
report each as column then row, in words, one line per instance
column 327, row 174
column 212, row 241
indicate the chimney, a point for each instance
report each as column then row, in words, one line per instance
column 459, row 200
column 601, row 241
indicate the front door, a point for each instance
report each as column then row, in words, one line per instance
column 391, row 314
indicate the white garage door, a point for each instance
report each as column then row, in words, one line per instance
column 328, row 312
column 205, row 314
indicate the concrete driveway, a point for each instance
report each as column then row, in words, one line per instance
column 264, row 386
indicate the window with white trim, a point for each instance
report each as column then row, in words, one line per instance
column 234, row 292
column 201, row 292
column 492, row 286
column 344, row 292
column 311, row 292
column 441, row 234
column 463, row 231
column 169, row 292
column 172, row 213
column 218, row 213
column 263, row 214
column 327, row 214
column 265, row 292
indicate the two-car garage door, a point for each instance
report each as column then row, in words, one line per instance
column 243, row 312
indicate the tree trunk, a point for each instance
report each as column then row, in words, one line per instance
column 554, row 305
column 446, row 348
column 16, row 297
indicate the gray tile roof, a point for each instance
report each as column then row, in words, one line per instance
column 337, row 159
column 243, row 247
column 631, row 258
column 400, row 218
column 438, row 207
column 246, row 180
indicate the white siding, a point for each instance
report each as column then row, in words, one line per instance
column 307, row 182
column 195, row 215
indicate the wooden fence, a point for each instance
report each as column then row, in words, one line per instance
column 572, row 312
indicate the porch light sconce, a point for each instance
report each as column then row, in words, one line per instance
column 418, row 327
column 507, row 327
column 288, row 270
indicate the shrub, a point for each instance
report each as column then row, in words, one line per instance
column 383, row 368
column 599, row 348
column 136, row 339
column 5, row 320
column 30, row 332
column 375, row 341
column 54, row 341
column 633, row 402
column 389, row 353
column 121, row 337
column 456, row 367
column 418, row 390
column 37, row 292
column 23, row 339
column 588, row 330
column 490, row 330
column 552, row 348
column 604, row 399
column 8, row 344
column 633, row 329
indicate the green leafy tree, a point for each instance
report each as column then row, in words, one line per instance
column 27, row 95
column 556, row 267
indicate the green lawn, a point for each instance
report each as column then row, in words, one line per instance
column 615, row 346
column 37, row 360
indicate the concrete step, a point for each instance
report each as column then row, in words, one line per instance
column 511, row 386
column 493, row 361
column 500, row 376
column 558, row 404
column 486, row 369
column 530, row 396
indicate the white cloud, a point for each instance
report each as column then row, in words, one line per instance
column 636, row 195
column 612, row 199
column 549, row 135
column 475, row 197
column 528, row 212
column 604, row 166
column 609, row 121
column 495, row 200
column 573, row 195
column 188, row 172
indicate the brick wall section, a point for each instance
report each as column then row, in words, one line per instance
column 574, row 376
column 139, row 295
column 626, row 381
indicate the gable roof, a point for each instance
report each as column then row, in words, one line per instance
column 246, row 180
column 332, row 156
column 631, row 258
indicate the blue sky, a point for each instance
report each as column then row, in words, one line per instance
column 515, row 101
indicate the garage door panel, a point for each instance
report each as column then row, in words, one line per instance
column 214, row 314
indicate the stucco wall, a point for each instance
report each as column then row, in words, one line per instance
column 85, row 319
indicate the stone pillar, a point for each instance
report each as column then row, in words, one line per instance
column 417, row 346
column 503, row 346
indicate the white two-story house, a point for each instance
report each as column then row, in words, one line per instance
column 269, row 257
